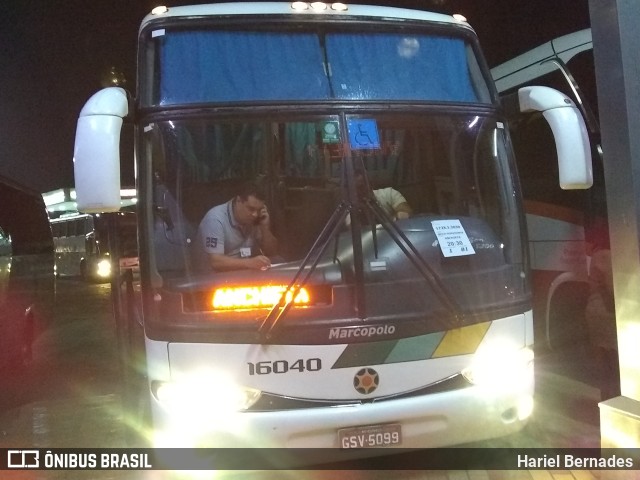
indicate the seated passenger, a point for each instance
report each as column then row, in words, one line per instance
column 237, row 234
column 390, row 200
column 393, row 203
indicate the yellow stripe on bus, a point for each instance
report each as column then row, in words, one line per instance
column 462, row 340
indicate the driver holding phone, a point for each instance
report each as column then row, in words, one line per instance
column 237, row 234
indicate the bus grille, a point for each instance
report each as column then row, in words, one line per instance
column 270, row 402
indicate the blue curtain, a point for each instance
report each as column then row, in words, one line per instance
column 398, row 67
column 221, row 66
column 240, row 66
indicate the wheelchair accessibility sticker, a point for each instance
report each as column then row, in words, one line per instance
column 363, row 133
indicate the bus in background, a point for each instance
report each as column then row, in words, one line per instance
column 26, row 273
column 82, row 248
column 413, row 333
column 70, row 232
column 564, row 226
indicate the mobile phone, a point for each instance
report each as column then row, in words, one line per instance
column 259, row 218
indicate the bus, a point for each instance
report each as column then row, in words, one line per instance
column 26, row 274
column 81, row 245
column 412, row 333
column 565, row 226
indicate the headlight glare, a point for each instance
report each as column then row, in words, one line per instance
column 205, row 396
column 500, row 366
column 103, row 268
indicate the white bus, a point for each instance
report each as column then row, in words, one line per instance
column 564, row 226
column 70, row 242
column 412, row 333
column 81, row 245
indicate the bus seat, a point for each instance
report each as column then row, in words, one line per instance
column 307, row 210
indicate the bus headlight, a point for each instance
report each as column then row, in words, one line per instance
column 207, row 396
column 499, row 366
column 103, row 268
column 198, row 404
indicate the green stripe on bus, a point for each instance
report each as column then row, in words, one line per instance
column 459, row 341
column 360, row 354
column 415, row 348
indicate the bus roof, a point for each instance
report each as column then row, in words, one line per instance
column 285, row 8
column 536, row 62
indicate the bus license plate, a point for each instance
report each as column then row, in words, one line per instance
column 371, row 436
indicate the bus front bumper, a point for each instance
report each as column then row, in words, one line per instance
column 430, row 421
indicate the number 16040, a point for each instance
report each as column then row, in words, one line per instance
column 283, row 366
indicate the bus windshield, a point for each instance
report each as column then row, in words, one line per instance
column 452, row 169
column 309, row 65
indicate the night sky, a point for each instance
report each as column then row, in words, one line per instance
column 54, row 54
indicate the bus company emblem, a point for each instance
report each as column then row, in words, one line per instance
column 366, row 380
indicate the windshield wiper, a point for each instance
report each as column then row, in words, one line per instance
column 331, row 228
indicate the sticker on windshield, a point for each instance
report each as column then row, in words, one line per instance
column 363, row 133
column 330, row 132
column 452, row 238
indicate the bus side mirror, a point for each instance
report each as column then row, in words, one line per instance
column 96, row 155
column 569, row 132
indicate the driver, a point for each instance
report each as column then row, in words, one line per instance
column 237, row 234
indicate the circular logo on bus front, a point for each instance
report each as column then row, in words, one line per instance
column 366, row 380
